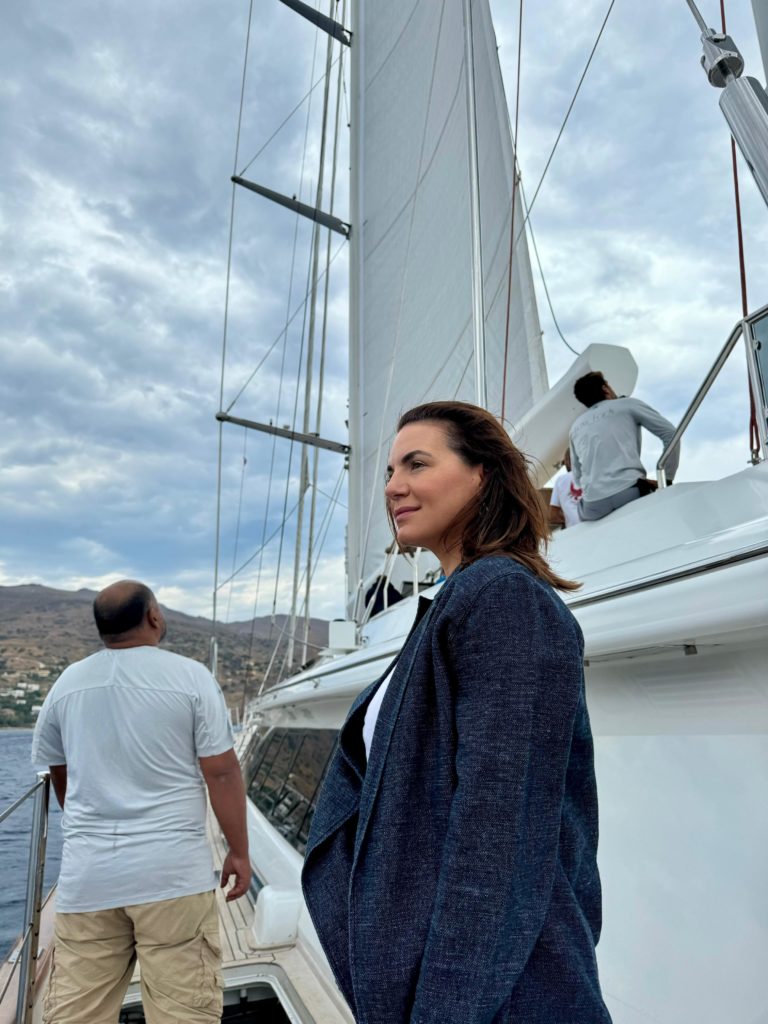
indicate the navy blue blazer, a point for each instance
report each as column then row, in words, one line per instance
column 452, row 879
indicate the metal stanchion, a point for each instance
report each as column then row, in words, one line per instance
column 37, row 844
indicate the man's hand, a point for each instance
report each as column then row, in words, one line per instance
column 240, row 867
column 227, row 794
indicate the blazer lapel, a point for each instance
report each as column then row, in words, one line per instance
column 351, row 784
column 388, row 713
column 340, row 794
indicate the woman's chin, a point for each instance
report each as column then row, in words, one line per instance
column 409, row 538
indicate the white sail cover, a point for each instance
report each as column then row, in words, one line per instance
column 411, row 333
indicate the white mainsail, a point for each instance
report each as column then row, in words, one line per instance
column 411, row 335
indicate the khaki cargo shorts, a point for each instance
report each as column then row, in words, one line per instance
column 177, row 945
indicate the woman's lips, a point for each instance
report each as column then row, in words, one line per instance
column 401, row 513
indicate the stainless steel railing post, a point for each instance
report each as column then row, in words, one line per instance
column 37, row 844
column 698, row 398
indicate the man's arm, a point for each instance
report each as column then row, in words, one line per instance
column 227, row 795
column 663, row 429
column 59, row 782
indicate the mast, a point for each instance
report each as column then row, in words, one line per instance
column 760, row 11
column 304, row 475
column 743, row 100
column 356, row 356
column 478, row 310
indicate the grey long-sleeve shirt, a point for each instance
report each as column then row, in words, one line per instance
column 605, row 446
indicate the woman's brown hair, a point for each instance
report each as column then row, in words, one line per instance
column 507, row 516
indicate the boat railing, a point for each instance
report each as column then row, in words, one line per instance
column 754, row 330
column 26, row 951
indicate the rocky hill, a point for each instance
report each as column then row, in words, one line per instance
column 42, row 630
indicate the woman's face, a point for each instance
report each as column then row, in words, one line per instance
column 428, row 485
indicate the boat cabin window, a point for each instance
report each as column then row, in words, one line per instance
column 289, row 766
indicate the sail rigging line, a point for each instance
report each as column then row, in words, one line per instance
column 273, row 451
column 396, row 340
column 567, row 116
column 284, row 330
column 284, row 335
column 283, row 123
column 512, row 216
column 754, row 438
column 323, row 346
column 324, row 529
column 325, row 494
column 332, row 503
column 224, row 333
column 546, row 291
column 291, row 446
column 239, row 518
column 258, row 550
column 310, row 360
column 541, row 272
column 475, row 223
column 301, row 352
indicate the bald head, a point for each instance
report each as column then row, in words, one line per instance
column 124, row 610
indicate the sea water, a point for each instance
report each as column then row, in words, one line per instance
column 16, row 776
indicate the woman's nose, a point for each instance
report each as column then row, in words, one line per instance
column 394, row 486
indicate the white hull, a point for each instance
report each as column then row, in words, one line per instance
column 674, row 610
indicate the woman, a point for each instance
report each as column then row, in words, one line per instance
column 451, row 869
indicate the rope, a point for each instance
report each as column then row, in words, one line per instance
column 284, row 122
column 512, row 219
column 310, row 359
column 239, row 516
column 567, row 115
column 754, row 437
column 288, row 323
column 298, row 370
column 543, row 279
column 324, row 528
column 226, row 321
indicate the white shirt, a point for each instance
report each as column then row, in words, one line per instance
column 605, row 446
column 565, row 496
column 372, row 714
column 130, row 725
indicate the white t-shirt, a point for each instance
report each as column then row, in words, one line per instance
column 565, row 496
column 372, row 714
column 130, row 725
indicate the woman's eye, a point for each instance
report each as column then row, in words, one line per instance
column 417, row 465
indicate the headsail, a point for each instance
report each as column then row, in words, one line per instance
column 411, row 337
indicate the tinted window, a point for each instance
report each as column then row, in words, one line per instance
column 289, row 767
column 263, row 758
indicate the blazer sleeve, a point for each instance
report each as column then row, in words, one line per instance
column 517, row 676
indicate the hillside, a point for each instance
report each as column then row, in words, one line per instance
column 42, row 630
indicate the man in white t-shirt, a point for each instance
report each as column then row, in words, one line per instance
column 134, row 736
column 564, row 507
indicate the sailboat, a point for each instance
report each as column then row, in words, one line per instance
column 673, row 606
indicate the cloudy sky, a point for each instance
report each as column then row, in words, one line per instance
column 119, row 127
